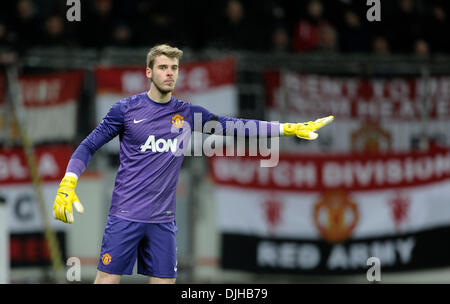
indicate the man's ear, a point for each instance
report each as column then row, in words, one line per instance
column 148, row 73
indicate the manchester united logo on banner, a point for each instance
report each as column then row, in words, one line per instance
column 273, row 209
column 370, row 137
column 400, row 205
column 335, row 215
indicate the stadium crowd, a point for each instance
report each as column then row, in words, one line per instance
column 406, row 26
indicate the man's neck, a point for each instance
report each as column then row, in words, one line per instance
column 158, row 96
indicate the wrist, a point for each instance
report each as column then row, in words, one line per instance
column 72, row 175
column 288, row 129
column 69, row 181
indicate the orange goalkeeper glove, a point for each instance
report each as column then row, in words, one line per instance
column 306, row 130
column 65, row 197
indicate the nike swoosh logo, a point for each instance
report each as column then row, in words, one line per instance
column 65, row 194
column 138, row 121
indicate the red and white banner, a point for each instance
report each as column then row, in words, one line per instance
column 51, row 162
column 387, row 114
column 28, row 246
column 330, row 213
column 210, row 84
column 316, row 172
column 351, row 97
column 50, row 106
column 17, row 190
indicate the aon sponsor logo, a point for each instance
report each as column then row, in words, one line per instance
column 160, row 145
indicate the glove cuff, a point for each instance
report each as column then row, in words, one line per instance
column 68, row 182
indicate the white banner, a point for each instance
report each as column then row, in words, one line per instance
column 25, row 228
column 23, row 210
column 16, row 189
column 333, row 216
column 330, row 213
column 374, row 114
column 49, row 104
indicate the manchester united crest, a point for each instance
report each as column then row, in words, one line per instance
column 370, row 137
column 177, row 121
column 335, row 216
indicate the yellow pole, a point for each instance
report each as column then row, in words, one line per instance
column 17, row 112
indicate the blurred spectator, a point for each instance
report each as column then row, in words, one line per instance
column 380, row 46
column 352, row 37
column 98, row 24
column 405, row 26
column 274, row 14
column 280, row 40
column 25, row 25
column 54, row 34
column 278, row 12
column 421, row 48
column 328, row 39
column 4, row 42
column 273, row 23
column 122, row 35
column 307, row 30
column 437, row 23
column 157, row 24
column 234, row 31
column 198, row 32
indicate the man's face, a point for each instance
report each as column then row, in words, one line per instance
column 164, row 73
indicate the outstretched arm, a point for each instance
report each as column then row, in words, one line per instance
column 209, row 123
column 229, row 126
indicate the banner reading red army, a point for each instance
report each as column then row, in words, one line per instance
column 330, row 213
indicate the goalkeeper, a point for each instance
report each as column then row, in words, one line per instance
column 141, row 222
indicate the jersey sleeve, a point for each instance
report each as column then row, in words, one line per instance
column 206, row 122
column 110, row 127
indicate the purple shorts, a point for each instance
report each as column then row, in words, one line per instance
column 154, row 246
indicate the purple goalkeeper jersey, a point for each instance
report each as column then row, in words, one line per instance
column 152, row 137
